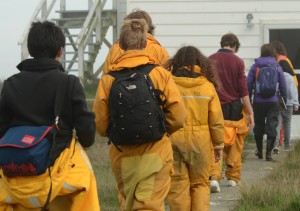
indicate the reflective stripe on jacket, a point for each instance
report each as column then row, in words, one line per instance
column 205, row 113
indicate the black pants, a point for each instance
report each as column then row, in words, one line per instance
column 266, row 120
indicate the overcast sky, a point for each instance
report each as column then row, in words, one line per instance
column 14, row 17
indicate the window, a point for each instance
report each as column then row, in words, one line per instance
column 291, row 40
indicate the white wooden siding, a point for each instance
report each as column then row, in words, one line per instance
column 203, row 22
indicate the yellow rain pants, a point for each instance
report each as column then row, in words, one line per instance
column 143, row 174
column 73, row 181
column 232, row 154
column 190, row 181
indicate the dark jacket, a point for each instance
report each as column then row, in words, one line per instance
column 27, row 98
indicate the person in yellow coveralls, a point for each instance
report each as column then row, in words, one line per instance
column 27, row 98
column 142, row 169
column 153, row 48
column 204, row 127
column 236, row 107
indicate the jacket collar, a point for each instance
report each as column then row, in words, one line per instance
column 225, row 50
column 41, row 64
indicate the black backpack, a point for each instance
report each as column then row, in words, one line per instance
column 135, row 107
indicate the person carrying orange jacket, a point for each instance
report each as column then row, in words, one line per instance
column 142, row 171
column 236, row 107
column 203, row 128
column 155, row 51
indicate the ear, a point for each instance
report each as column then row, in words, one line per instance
column 59, row 54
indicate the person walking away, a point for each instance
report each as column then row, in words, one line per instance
column 283, row 60
column 266, row 107
column 154, row 49
column 236, row 108
column 27, row 99
column 285, row 114
column 193, row 75
column 286, row 64
column 142, row 167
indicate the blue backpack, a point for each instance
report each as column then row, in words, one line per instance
column 266, row 80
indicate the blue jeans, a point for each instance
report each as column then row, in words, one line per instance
column 285, row 118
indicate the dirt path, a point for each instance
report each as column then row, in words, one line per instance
column 253, row 170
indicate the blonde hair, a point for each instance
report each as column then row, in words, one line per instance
column 133, row 34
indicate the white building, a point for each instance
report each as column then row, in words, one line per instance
column 202, row 23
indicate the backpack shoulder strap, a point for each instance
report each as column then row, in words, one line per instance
column 257, row 71
column 60, row 95
column 146, row 69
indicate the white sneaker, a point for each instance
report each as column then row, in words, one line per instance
column 232, row 183
column 276, row 150
column 214, row 186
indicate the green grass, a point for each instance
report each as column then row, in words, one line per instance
column 278, row 191
column 107, row 188
column 90, row 89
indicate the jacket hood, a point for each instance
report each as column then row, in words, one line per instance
column 131, row 58
column 151, row 39
column 190, row 82
column 41, row 64
column 263, row 61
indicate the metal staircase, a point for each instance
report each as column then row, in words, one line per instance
column 85, row 32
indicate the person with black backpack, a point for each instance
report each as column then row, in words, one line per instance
column 137, row 106
column 267, row 80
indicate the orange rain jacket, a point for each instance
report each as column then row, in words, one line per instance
column 158, row 54
column 162, row 79
column 142, row 171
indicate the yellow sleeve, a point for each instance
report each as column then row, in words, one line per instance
column 216, row 122
column 174, row 109
column 101, row 103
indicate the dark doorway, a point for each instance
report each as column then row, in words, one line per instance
column 291, row 40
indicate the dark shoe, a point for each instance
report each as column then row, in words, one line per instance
column 258, row 154
column 287, row 148
column 269, row 157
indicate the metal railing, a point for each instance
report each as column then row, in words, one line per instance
column 92, row 23
column 91, row 35
column 43, row 9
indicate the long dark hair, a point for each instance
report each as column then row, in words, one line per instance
column 189, row 56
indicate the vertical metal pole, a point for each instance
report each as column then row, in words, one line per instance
column 81, row 64
column 62, row 4
column 62, row 7
column 44, row 11
column 115, row 27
